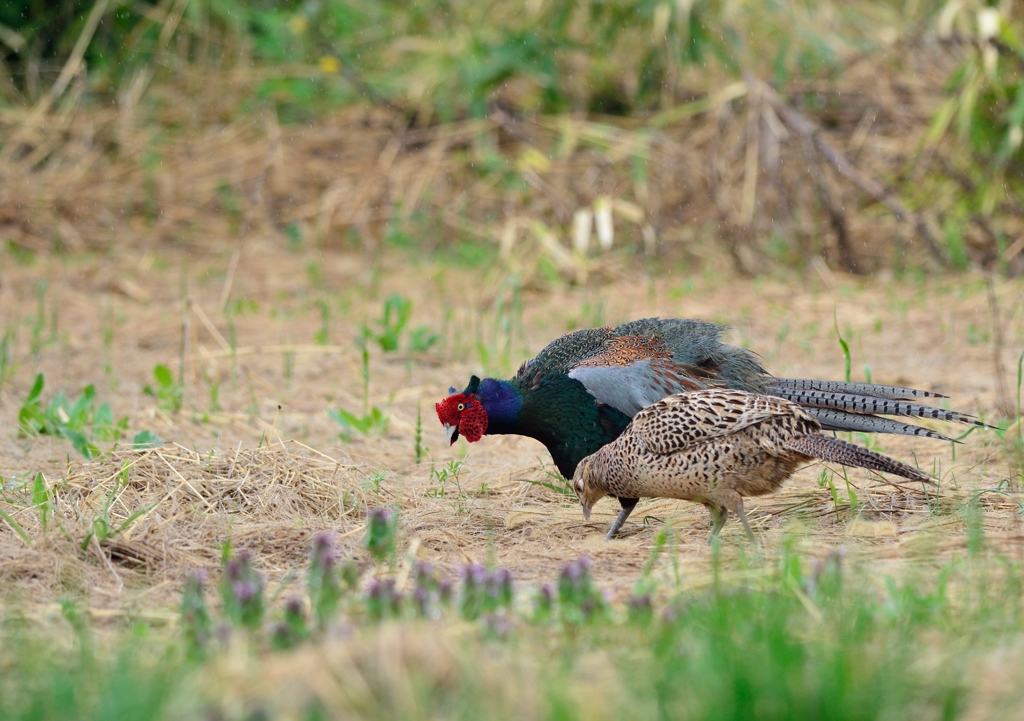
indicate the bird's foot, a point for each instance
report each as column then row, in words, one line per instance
column 628, row 504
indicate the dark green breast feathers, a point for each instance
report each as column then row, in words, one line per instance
column 582, row 389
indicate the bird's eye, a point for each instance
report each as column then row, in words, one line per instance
column 462, row 406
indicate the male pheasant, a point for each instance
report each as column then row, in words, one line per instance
column 583, row 388
column 714, row 447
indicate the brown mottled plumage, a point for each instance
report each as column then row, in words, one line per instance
column 714, row 447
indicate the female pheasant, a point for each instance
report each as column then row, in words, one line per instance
column 714, row 447
column 583, row 388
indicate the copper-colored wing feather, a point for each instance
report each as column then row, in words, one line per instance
column 631, row 372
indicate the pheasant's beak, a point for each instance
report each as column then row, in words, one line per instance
column 586, row 509
column 451, row 433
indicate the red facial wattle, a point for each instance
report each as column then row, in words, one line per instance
column 473, row 421
column 462, row 414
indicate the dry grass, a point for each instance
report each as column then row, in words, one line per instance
column 229, row 475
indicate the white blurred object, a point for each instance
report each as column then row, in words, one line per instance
column 988, row 28
column 988, row 23
column 582, row 226
column 1016, row 135
column 650, row 239
column 603, row 220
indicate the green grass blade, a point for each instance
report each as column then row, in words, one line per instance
column 843, row 345
column 15, row 526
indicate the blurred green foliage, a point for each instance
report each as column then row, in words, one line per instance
column 984, row 116
column 78, row 420
column 451, row 58
column 457, row 58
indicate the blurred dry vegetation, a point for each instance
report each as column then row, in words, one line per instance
column 865, row 135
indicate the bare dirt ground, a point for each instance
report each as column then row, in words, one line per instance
column 256, row 459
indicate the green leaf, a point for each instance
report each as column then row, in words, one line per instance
column 80, row 442
column 967, row 101
column 37, row 389
column 940, row 123
column 101, row 529
column 563, row 490
column 103, row 417
column 168, row 393
column 375, row 421
column 146, row 439
column 163, row 376
column 423, row 339
column 31, row 419
column 81, row 410
column 842, row 344
column 134, row 517
column 41, row 499
column 15, row 526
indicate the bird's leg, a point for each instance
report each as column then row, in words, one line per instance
column 713, row 513
column 628, row 504
column 734, row 502
column 746, row 525
column 718, row 518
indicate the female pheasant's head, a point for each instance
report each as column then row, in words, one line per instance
column 462, row 413
column 588, row 485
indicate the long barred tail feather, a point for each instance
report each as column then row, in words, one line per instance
column 867, row 404
column 840, row 406
column 834, row 450
column 893, row 393
column 831, row 420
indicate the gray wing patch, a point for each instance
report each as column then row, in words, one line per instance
column 628, row 389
